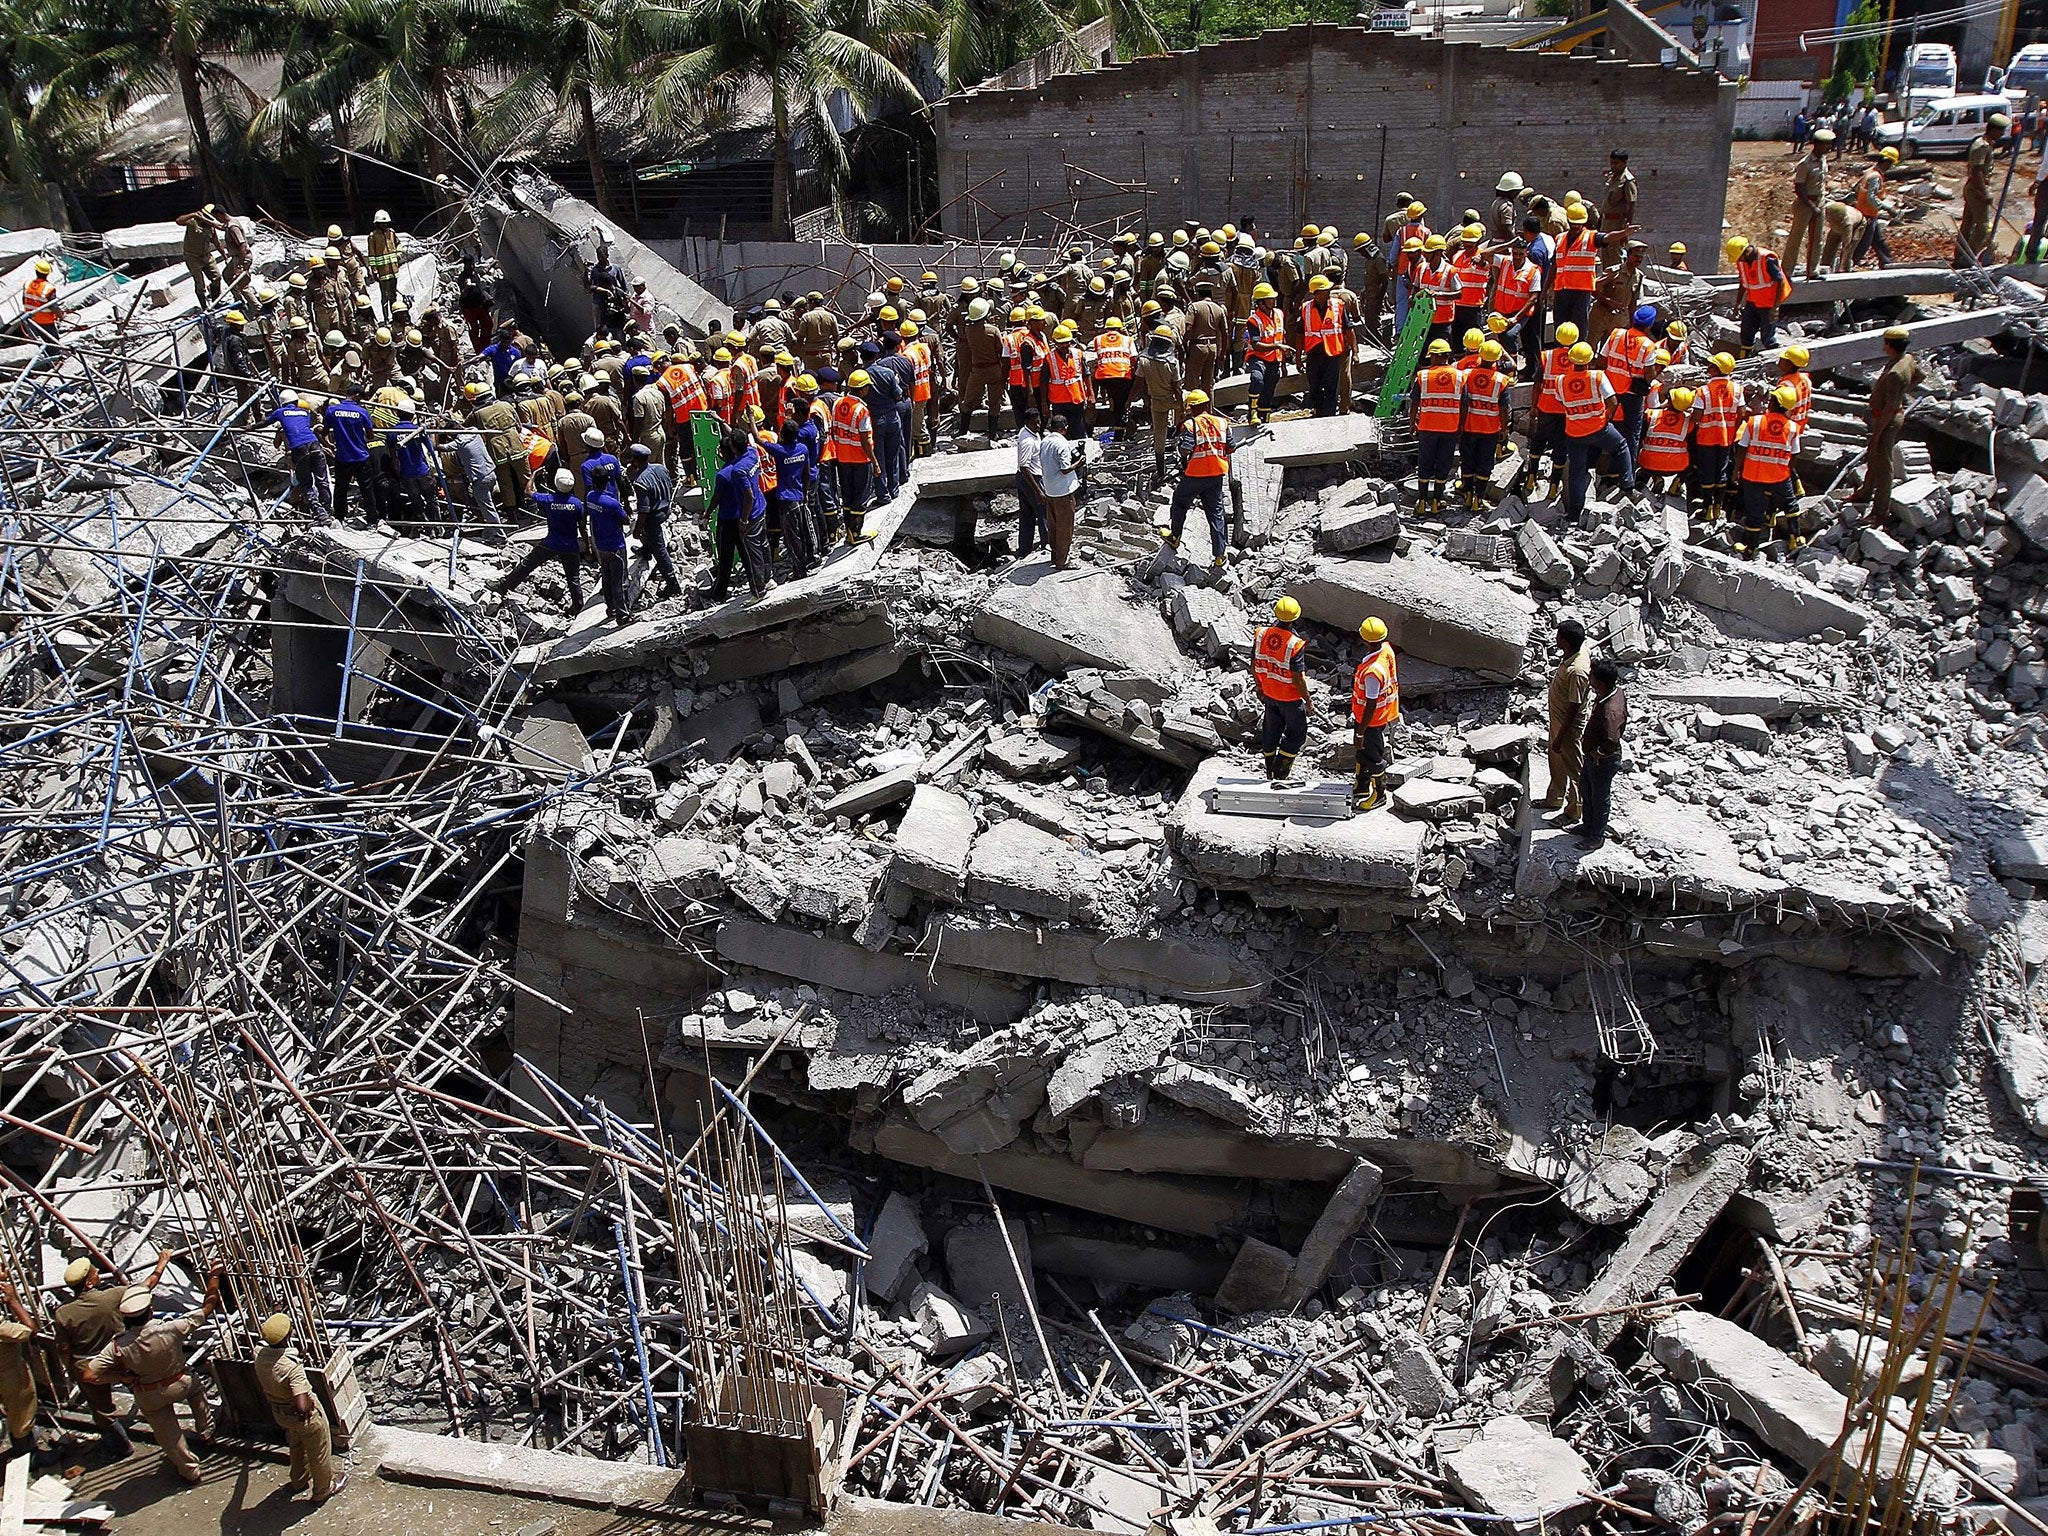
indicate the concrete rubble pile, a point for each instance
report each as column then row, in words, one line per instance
column 1135, row 1159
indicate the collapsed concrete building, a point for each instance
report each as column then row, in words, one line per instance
column 1121, row 1148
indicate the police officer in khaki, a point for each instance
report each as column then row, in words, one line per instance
column 87, row 1324
column 17, row 1385
column 148, row 1356
column 297, row 1411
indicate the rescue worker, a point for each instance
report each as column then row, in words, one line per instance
column 654, row 491
column 498, row 422
column 1606, row 723
column 1714, row 437
column 1626, row 355
column 1266, row 349
column 817, row 333
column 924, row 386
column 853, row 452
column 1067, row 386
column 1114, row 361
column 1766, row 446
column 1435, row 280
column 604, row 512
column 39, row 312
column 1485, row 393
column 1280, row 672
column 1587, row 395
column 17, row 1382
column 1618, row 206
column 148, row 1357
column 1618, row 294
column 1203, row 476
column 1677, row 257
column 1764, row 288
column 562, row 510
column 650, row 411
column 1889, row 396
column 230, row 359
column 1206, row 338
column 1571, row 687
column 1159, row 372
column 87, row 1324
column 298, row 435
column 1504, row 217
column 1792, row 374
column 1473, row 267
column 384, row 259
column 1667, row 441
column 785, row 482
column 201, row 248
column 1547, row 435
column 1973, row 235
column 980, row 364
column 1439, row 417
column 1375, row 708
column 1810, row 202
column 1326, row 340
column 741, row 507
column 1517, row 297
column 1874, row 210
column 1400, row 230
column 1577, row 270
column 294, row 1409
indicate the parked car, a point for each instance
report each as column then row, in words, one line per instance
column 1945, row 126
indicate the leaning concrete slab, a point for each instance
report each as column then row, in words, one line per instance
column 1310, row 440
column 932, row 842
column 1432, row 609
column 397, row 590
column 1944, row 330
column 1765, row 697
column 1767, row 595
column 1077, row 618
column 848, row 967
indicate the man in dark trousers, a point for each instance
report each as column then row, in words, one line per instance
column 563, row 510
column 1606, row 724
column 741, row 533
column 605, row 515
column 654, row 493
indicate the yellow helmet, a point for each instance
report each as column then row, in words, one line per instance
column 1491, row 352
column 1112, row 324
column 1473, row 338
column 907, row 329
column 43, row 267
column 1162, row 331
column 1360, row 239
column 235, row 317
column 1211, row 248
column 1433, row 243
column 1581, row 353
column 1736, row 246
column 1319, row 284
column 1473, row 232
column 1017, row 315
column 1416, row 210
column 1796, row 355
column 1195, row 397
column 1678, row 248
column 1412, row 244
column 1497, row 323
column 1310, row 231
column 1682, row 399
column 1575, row 213
column 1036, row 312
column 1063, row 332
column 1785, row 397
column 894, row 285
column 1372, row 631
column 1676, row 330
column 805, row 384
column 927, row 277
column 858, row 379
column 888, row 316
column 722, row 355
column 1227, row 232
column 918, row 315
column 1567, row 333
column 1660, row 359
column 1439, row 348
column 1287, row 610
column 1888, row 155
column 1724, row 362
column 276, row 1329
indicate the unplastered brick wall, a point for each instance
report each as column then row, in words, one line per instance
column 1329, row 124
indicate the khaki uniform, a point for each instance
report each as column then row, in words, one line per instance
column 1845, row 228
column 650, row 420
column 201, row 248
column 86, row 1325
column 283, row 1379
column 498, row 423
column 1888, row 396
column 1571, row 687
column 982, row 372
column 771, row 330
column 610, row 418
column 17, row 1386
column 1206, row 338
column 1618, row 208
column 151, row 1359
column 1973, row 237
column 1161, row 378
column 1809, row 210
column 817, row 335
column 1615, row 297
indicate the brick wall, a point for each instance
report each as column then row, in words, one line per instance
column 1328, row 123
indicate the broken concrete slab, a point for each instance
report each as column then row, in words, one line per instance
column 932, row 843
column 850, row 967
column 1771, row 596
column 1257, row 1280
column 1514, row 1469
column 1025, row 869
column 894, row 1247
column 1077, row 618
column 1032, row 754
column 1311, row 440
column 870, row 795
column 980, row 1267
column 1372, row 853
column 946, row 1327
column 1350, row 1203
column 2022, row 855
column 1417, row 1382
column 1763, row 697
column 550, row 743
column 1162, row 966
column 1432, row 608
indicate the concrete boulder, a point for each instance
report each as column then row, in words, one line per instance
column 1077, row 618
column 1433, row 609
column 932, row 843
column 1026, row 869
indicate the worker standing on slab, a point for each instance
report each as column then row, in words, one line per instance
column 17, row 1382
column 853, row 452
column 1587, row 397
column 298, row 434
column 1874, row 212
column 1402, row 228
column 1667, row 439
column 1375, row 707
column 295, row 1410
column 1714, row 438
column 1888, row 399
column 201, row 248
column 605, row 518
column 39, row 312
column 1546, row 433
column 980, row 364
column 1326, row 340
column 1206, row 338
column 654, row 493
column 1485, row 391
column 1766, row 446
column 384, row 259
column 562, row 510
column 1618, row 206
column 1437, row 283
column 1114, row 360
column 1203, row 475
column 87, row 1324
column 1280, row 670
column 1571, row 689
column 1474, row 268
column 1792, row 375
column 148, row 1356
column 1764, row 287
column 1577, row 270
column 1436, row 401
column 1160, row 372
column 741, row 509
column 1973, row 236
column 1626, row 357
column 1606, row 725
column 1809, row 201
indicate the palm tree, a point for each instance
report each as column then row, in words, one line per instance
column 804, row 54
column 37, row 48
column 979, row 38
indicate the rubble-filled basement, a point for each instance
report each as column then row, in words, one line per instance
column 887, row 1041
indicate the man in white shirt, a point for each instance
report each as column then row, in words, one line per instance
column 1059, row 473
column 1030, row 493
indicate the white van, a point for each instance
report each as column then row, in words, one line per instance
column 1947, row 126
column 2027, row 74
column 1928, row 70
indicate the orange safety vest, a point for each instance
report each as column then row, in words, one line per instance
column 684, row 389
column 744, row 392
column 1768, row 442
column 1441, row 283
column 920, row 357
column 821, row 413
column 1869, row 192
column 850, row 423
column 538, row 446
column 39, row 302
column 1515, row 286
column 1585, row 408
column 1625, row 355
column 1267, row 337
column 1414, row 230
column 1486, row 387
column 1721, row 416
column 1387, row 708
column 1578, row 261
column 1557, row 362
column 1273, row 663
column 1437, row 409
column 1759, row 288
column 1014, row 345
column 718, row 393
column 1322, row 329
column 1680, row 348
column 1211, row 456
column 1471, row 271
column 1664, row 451
column 1067, row 386
column 1112, row 355
column 765, row 475
column 1800, row 382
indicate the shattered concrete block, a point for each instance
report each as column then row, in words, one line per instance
column 1880, row 548
column 1434, row 801
column 756, row 887
column 1077, row 618
column 1025, row 869
column 1767, row 697
column 973, row 1384
column 1514, row 1469
column 871, row 795
column 1862, row 753
column 1121, row 1503
column 1771, row 596
column 2022, row 855
column 1495, row 551
column 1417, row 1382
column 1342, row 530
column 1666, row 573
column 978, row 1264
column 946, row 1328
column 1957, row 656
column 1209, row 621
column 932, row 843
column 1432, row 608
column 1499, row 743
column 894, row 1247
column 1258, row 1278
column 1212, row 1092
column 1546, row 562
column 679, row 869
column 1954, row 595
column 1032, row 754
column 2027, row 510
column 1747, row 731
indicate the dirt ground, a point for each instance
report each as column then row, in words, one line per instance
column 1760, row 200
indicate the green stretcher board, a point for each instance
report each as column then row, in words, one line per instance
column 705, row 431
column 1407, row 352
